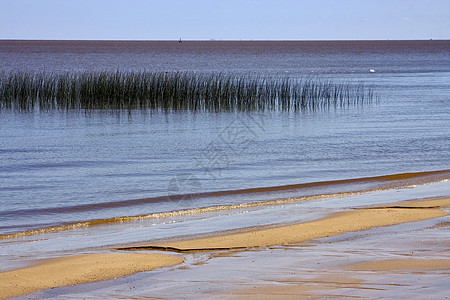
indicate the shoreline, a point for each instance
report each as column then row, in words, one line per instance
column 62, row 273
column 378, row 183
column 358, row 219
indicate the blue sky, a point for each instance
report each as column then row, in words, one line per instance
column 225, row 19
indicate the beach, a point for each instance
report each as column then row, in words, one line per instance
column 125, row 261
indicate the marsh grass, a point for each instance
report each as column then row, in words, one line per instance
column 172, row 91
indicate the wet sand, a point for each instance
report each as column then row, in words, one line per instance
column 95, row 267
column 408, row 260
column 402, row 265
column 79, row 269
column 344, row 282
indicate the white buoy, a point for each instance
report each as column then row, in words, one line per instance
column 372, row 71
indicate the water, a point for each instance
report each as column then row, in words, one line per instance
column 69, row 167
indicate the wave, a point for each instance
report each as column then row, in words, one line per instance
column 369, row 184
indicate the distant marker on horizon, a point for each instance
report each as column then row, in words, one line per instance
column 372, row 71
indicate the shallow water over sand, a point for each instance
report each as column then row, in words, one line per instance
column 22, row 249
column 319, row 268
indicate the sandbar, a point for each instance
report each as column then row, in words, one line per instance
column 337, row 223
column 79, row 269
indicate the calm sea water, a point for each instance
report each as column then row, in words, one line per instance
column 66, row 167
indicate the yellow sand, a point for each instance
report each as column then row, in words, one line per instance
column 338, row 223
column 79, row 269
column 405, row 265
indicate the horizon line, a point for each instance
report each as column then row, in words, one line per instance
column 220, row 40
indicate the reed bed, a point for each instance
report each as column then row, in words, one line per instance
column 172, row 91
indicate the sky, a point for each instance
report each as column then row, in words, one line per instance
column 225, row 19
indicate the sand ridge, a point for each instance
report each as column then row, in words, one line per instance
column 79, row 269
column 337, row 223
